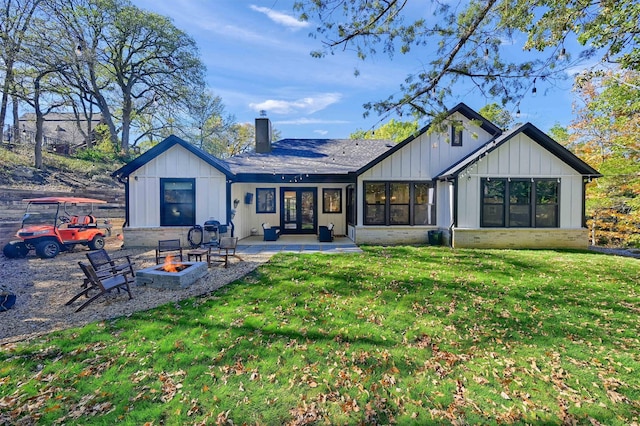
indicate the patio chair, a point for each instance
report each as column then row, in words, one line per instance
column 226, row 248
column 101, row 261
column 103, row 284
column 325, row 233
column 271, row 233
column 166, row 248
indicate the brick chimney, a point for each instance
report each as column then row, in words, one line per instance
column 263, row 135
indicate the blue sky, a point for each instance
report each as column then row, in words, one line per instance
column 258, row 58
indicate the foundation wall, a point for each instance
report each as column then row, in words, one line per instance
column 521, row 238
column 395, row 235
column 149, row 237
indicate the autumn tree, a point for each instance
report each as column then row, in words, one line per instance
column 467, row 42
column 605, row 134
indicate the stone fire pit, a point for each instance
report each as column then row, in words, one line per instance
column 187, row 273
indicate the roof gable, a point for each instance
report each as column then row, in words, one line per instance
column 461, row 108
column 534, row 134
column 164, row 146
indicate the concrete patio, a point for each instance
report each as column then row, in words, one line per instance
column 296, row 244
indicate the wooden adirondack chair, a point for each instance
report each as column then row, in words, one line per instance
column 102, row 284
column 101, row 262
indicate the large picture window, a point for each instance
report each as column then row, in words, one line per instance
column 520, row 203
column 332, row 200
column 399, row 203
column 266, row 200
column 177, row 202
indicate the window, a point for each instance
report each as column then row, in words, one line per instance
column 375, row 203
column 521, row 203
column 546, row 204
column 456, row 133
column 424, row 204
column 351, row 205
column 493, row 197
column 266, row 200
column 177, row 202
column 332, row 200
column 399, row 203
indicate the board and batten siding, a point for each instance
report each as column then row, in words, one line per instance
column 428, row 154
column 520, row 157
column 176, row 162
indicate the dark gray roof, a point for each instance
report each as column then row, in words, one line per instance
column 534, row 133
column 317, row 156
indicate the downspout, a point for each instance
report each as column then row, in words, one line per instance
column 126, row 200
column 453, row 200
column 228, row 196
column 585, row 181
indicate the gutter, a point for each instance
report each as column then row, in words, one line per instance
column 126, row 200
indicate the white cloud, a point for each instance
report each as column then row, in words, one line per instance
column 307, row 105
column 281, row 18
column 321, row 132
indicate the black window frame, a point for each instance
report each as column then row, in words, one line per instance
column 190, row 218
column 555, row 204
column 456, row 133
column 511, row 198
column 352, row 212
column 387, row 203
column 259, row 200
column 326, row 206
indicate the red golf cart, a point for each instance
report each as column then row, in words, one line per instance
column 54, row 224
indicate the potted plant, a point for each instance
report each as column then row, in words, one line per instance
column 7, row 299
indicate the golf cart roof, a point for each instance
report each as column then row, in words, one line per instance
column 63, row 200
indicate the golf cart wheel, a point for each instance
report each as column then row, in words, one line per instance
column 97, row 243
column 47, row 249
column 15, row 250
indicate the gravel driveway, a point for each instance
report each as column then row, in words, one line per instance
column 43, row 286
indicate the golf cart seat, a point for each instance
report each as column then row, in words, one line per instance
column 82, row 221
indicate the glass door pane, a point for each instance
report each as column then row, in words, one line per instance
column 299, row 210
column 290, row 211
column 307, row 207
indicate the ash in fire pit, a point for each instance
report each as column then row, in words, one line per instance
column 171, row 275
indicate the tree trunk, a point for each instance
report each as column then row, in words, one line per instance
column 38, row 164
column 126, row 124
column 5, row 91
column 17, row 134
column 39, row 124
column 106, row 114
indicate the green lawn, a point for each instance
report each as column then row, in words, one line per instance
column 402, row 335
